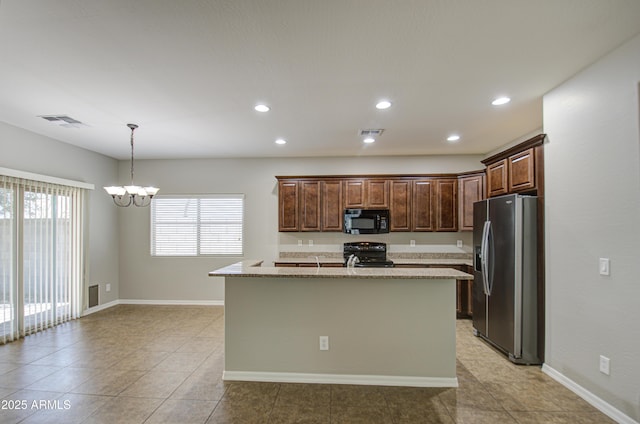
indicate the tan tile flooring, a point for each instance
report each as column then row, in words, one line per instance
column 163, row 364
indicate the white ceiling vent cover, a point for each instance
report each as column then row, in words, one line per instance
column 371, row 132
column 63, row 120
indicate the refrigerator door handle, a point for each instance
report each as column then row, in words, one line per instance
column 484, row 257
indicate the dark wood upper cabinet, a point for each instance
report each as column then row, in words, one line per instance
column 519, row 169
column 288, row 200
column 309, row 206
column 421, row 206
column 354, row 196
column 332, row 210
column 377, row 192
column 470, row 190
column 446, row 204
column 415, row 202
column 497, row 178
column 366, row 194
column 522, row 171
column 400, row 207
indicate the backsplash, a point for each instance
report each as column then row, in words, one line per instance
column 394, row 251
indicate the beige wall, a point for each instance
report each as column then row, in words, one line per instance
column 592, row 165
column 185, row 279
column 26, row 151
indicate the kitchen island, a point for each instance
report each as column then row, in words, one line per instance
column 385, row 326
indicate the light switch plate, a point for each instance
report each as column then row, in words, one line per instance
column 604, row 266
column 605, row 365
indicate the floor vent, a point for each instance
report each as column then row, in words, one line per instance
column 93, row 296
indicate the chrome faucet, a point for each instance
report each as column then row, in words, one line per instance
column 353, row 259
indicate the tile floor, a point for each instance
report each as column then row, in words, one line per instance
column 163, row 364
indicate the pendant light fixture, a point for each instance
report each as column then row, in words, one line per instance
column 131, row 194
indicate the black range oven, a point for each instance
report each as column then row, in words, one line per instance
column 369, row 254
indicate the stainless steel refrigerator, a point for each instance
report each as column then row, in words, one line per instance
column 505, row 284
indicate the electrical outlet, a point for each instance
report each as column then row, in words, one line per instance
column 299, row 242
column 459, row 243
column 310, row 243
column 605, row 364
column 108, row 287
column 412, row 243
column 324, row 342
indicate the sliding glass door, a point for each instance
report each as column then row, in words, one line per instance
column 41, row 263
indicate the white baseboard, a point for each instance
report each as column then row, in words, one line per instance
column 171, row 302
column 376, row 380
column 99, row 308
column 107, row 305
column 603, row 406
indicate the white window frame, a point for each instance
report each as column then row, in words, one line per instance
column 197, row 224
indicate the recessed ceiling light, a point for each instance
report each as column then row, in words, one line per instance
column 369, row 140
column 384, row 104
column 453, row 138
column 501, row 101
column 262, row 108
column 281, row 141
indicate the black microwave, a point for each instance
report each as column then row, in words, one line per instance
column 366, row 221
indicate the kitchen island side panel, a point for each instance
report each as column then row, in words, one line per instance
column 376, row 327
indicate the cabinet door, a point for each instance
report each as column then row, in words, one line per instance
column 470, row 190
column 332, row 211
column 421, row 210
column 310, row 206
column 354, row 195
column 521, row 171
column 446, row 204
column 400, row 207
column 497, row 179
column 288, row 206
column 377, row 194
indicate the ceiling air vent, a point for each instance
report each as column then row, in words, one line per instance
column 63, row 121
column 371, row 132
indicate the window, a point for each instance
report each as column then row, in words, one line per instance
column 197, row 225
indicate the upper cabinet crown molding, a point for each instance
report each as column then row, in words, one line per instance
column 538, row 140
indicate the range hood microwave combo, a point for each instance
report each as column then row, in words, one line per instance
column 366, row 221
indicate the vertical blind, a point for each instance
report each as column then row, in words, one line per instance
column 197, row 225
column 41, row 257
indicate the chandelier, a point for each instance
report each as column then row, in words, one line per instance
column 132, row 194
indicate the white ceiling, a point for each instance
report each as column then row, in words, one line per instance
column 190, row 71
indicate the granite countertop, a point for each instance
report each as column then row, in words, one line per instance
column 254, row 268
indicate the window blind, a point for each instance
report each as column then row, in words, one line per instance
column 41, row 265
column 197, row 225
